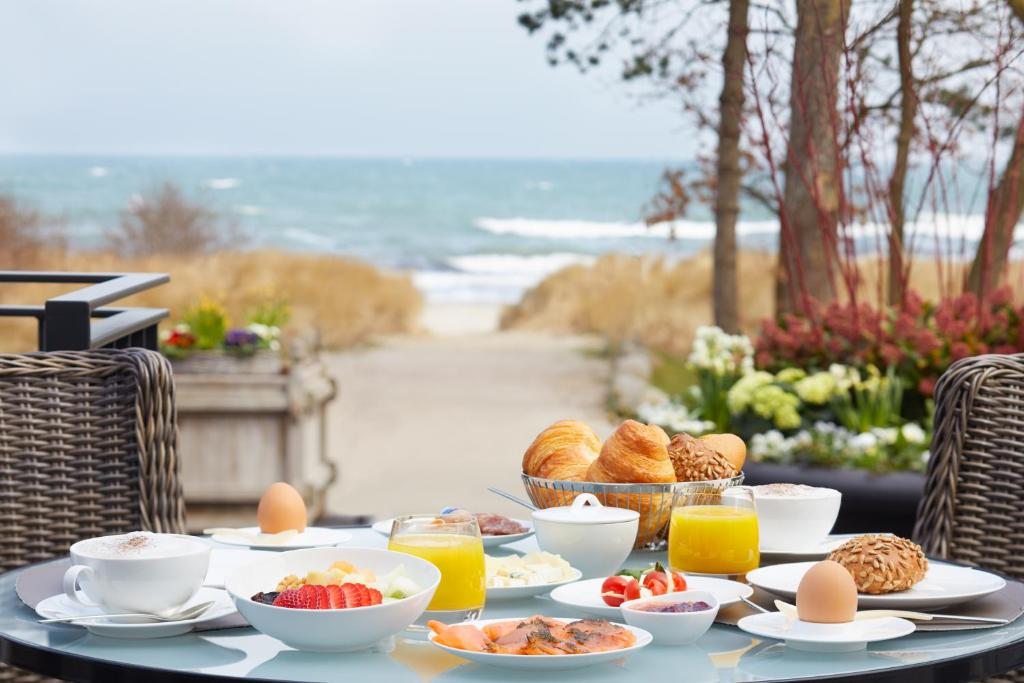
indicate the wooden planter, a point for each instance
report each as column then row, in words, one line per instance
column 871, row 502
column 244, row 423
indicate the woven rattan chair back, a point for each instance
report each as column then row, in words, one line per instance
column 973, row 505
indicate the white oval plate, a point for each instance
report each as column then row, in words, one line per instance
column 816, row 552
column 57, row 606
column 586, row 595
column 312, row 537
column 943, row 585
column 546, row 662
column 384, row 527
column 520, row 592
column 802, row 635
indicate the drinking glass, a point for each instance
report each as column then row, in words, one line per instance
column 453, row 544
column 714, row 532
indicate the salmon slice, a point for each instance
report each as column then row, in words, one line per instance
column 598, row 635
column 537, row 635
column 461, row 637
column 497, row 630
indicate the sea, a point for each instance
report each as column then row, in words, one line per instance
column 467, row 230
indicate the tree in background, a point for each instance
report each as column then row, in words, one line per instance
column 167, row 222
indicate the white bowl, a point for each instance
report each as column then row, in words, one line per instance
column 591, row 537
column 795, row 522
column 672, row 628
column 331, row 630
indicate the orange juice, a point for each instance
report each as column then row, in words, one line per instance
column 713, row 539
column 461, row 561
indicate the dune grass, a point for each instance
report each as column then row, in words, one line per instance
column 344, row 300
column 660, row 303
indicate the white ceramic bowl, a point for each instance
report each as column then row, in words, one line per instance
column 331, row 630
column 592, row 538
column 798, row 521
column 672, row 628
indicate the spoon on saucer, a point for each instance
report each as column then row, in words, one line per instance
column 790, row 612
column 514, row 498
column 178, row 615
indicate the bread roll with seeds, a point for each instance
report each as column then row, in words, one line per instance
column 881, row 563
column 694, row 460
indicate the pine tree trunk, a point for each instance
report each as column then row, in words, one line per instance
column 727, row 197
column 1002, row 213
column 813, row 173
column 904, row 136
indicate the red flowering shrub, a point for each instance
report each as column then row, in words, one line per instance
column 919, row 339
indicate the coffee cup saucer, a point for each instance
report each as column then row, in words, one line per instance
column 816, row 551
column 58, row 606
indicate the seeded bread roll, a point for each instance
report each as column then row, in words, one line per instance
column 694, row 460
column 880, row 563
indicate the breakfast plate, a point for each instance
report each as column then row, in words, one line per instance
column 384, row 527
column 312, row 537
column 803, row 635
column 520, row 592
column 943, row 585
column 818, row 551
column 586, row 595
column 546, row 662
column 58, row 606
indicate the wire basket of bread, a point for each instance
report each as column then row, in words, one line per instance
column 638, row 468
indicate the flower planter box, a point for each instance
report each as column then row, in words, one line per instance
column 244, row 423
column 871, row 502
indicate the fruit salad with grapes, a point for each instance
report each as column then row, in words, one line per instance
column 340, row 586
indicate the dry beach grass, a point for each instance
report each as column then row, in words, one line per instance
column 346, row 301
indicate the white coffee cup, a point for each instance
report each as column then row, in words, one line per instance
column 137, row 572
column 795, row 517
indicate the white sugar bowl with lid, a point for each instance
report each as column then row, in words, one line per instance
column 591, row 537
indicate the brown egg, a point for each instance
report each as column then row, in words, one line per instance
column 826, row 594
column 281, row 508
column 730, row 446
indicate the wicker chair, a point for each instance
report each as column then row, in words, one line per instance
column 971, row 511
column 87, row 447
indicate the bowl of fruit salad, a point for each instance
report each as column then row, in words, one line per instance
column 333, row 599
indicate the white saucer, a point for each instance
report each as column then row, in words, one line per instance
column 802, row 635
column 586, row 595
column 312, row 537
column 943, row 585
column 384, row 527
column 57, row 606
column 817, row 551
column 546, row 662
column 520, row 592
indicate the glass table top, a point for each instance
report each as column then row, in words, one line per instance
column 724, row 654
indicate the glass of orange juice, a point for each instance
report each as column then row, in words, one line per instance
column 453, row 544
column 714, row 532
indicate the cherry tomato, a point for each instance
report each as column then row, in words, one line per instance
column 661, row 576
column 633, row 589
column 613, row 590
column 656, row 583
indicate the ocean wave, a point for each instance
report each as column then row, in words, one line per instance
column 249, row 210
column 491, row 278
column 939, row 227
column 98, row 171
column 511, row 264
column 222, row 183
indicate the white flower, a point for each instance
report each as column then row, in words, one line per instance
column 721, row 353
column 864, row 442
column 913, row 433
column 886, row 435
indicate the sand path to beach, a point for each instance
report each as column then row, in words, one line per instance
column 424, row 422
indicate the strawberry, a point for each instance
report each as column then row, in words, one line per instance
column 317, row 596
column 375, row 597
column 294, row 599
column 337, row 598
column 351, row 593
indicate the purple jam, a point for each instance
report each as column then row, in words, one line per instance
column 673, row 607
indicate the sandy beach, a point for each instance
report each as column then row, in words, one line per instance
column 431, row 420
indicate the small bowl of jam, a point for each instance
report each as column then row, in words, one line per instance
column 673, row 618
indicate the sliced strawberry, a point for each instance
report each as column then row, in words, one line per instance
column 289, row 598
column 351, row 593
column 336, row 597
column 375, row 597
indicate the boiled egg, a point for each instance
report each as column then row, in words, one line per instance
column 826, row 594
column 729, row 446
column 281, row 509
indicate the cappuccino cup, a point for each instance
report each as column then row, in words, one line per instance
column 136, row 572
column 795, row 517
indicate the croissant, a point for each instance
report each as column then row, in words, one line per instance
column 634, row 454
column 562, row 451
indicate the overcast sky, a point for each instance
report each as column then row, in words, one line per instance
column 437, row 78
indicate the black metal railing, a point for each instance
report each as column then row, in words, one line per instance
column 80, row 319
